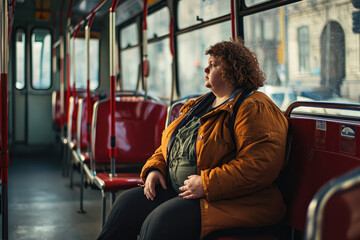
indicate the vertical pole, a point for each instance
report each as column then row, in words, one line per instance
column 146, row 66
column 68, row 89
column 62, row 99
column 4, row 119
column 112, row 152
column 88, row 93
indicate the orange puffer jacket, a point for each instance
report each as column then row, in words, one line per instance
column 238, row 177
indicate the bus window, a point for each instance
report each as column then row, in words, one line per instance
column 159, row 82
column 129, row 36
column 80, row 64
column 193, row 12
column 20, row 58
column 41, row 59
column 130, row 57
column 192, row 58
column 158, row 23
column 312, row 54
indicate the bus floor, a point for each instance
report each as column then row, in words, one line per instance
column 41, row 204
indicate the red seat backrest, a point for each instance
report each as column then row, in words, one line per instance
column 56, row 114
column 139, row 126
column 174, row 111
column 321, row 150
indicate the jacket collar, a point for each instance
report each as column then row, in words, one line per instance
column 227, row 105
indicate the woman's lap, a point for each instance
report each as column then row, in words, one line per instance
column 132, row 209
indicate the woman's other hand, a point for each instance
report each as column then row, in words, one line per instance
column 192, row 188
column 153, row 178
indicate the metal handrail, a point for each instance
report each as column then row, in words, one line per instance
column 315, row 213
column 316, row 104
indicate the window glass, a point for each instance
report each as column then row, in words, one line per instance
column 80, row 63
column 129, row 36
column 159, row 81
column 192, row 59
column 130, row 61
column 313, row 53
column 158, row 23
column 194, row 12
column 41, row 59
column 20, row 59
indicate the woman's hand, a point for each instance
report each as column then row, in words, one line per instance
column 153, row 178
column 192, row 188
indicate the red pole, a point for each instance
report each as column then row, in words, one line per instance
column 62, row 101
column 4, row 163
column 88, row 93
column 112, row 150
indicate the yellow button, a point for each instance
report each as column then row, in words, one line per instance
column 206, row 206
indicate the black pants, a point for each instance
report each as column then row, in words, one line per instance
column 167, row 217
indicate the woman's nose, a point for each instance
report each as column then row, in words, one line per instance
column 206, row 70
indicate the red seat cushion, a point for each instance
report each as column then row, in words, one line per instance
column 120, row 182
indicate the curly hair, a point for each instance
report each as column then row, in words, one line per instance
column 239, row 65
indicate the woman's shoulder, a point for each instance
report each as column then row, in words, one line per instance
column 258, row 97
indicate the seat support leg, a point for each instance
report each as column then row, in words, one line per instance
column 103, row 209
column 112, row 198
column 82, row 188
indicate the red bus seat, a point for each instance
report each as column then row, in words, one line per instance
column 175, row 106
column 321, row 150
column 139, row 126
column 56, row 114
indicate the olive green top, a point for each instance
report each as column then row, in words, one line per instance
column 182, row 155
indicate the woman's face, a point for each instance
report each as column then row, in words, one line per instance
column 213, row 79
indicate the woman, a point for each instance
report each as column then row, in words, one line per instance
column 201, row 179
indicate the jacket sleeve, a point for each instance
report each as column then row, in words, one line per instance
column 156, row 161
column 260, row 136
